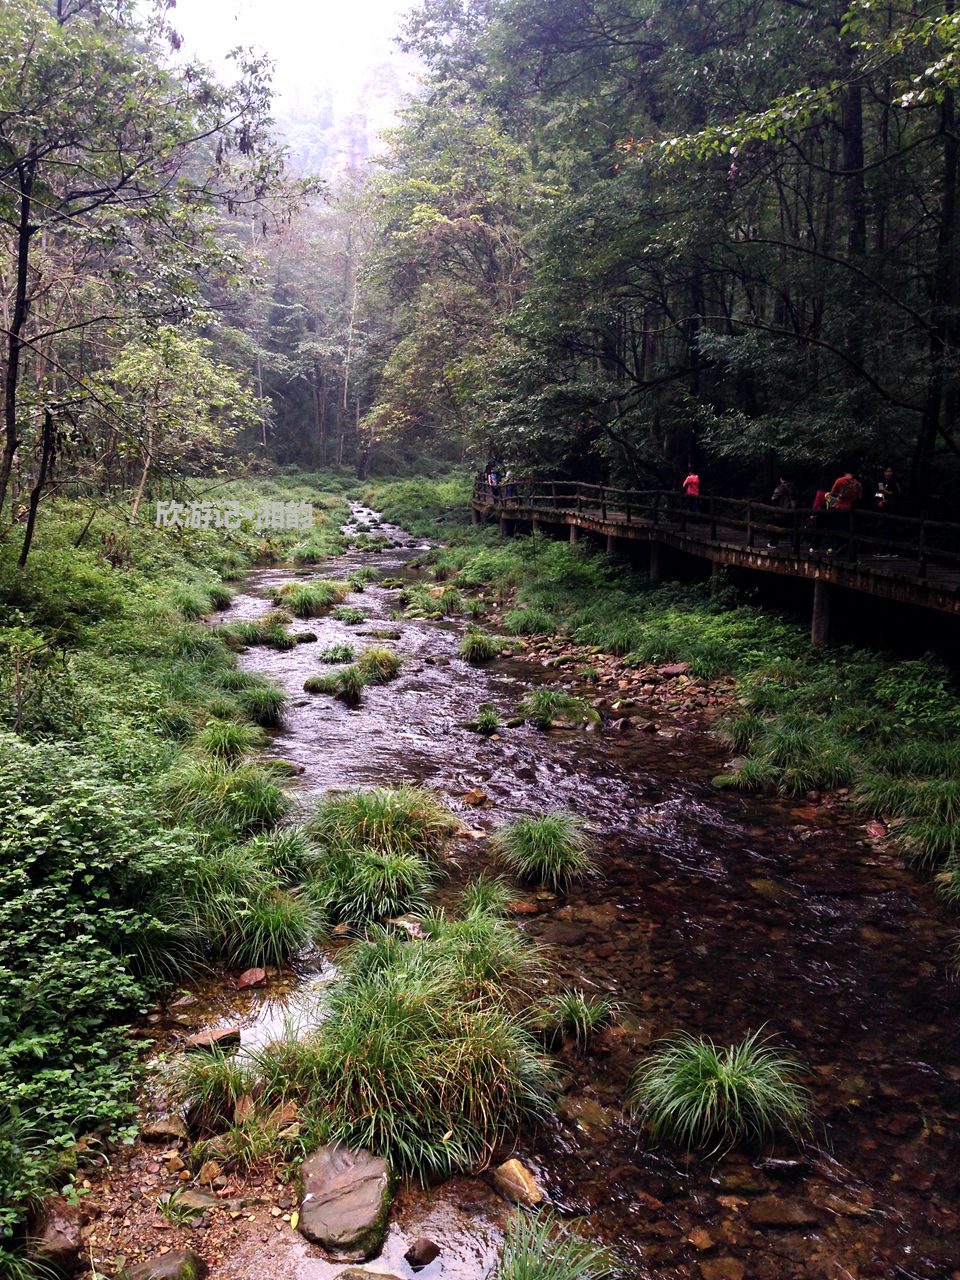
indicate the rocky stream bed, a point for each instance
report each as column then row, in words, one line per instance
column 711, row 912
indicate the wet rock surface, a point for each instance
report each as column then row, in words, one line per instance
column 57, row 1245
column 344, row 1201
column 182, row 1264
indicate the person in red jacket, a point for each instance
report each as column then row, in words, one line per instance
column 845, row 493
column 691, row 487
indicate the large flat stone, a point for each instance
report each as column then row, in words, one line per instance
column 179, row 1264
column 774, row 1211
column 57, row 1244
column 344, row 1201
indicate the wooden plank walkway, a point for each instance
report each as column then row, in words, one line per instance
column 903, row 559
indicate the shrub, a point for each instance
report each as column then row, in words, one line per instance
column 210, row 1085
column 552, row 849
column 544, row 707
column 263, row 703
column 528, row 622
column 378, row 666
column 478, row 646
column 335, row 653
column 227, row 740
column 700, row 1095
column 346, row 613
column 541, row 1248
column 576, row 1016
column 400, row 819
column 237, row 798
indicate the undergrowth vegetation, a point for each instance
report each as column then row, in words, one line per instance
column 138, row 832
column 553, row 849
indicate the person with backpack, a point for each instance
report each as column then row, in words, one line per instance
column 845, row 492
column 691, row 489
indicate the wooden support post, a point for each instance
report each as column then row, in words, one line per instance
column 506, row 527
column 820, row 622
column 611, row 544
column 574, row 533
column 474, row 516
column 656, row 564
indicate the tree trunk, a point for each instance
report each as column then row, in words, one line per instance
column 15, row 344
column 46, row 454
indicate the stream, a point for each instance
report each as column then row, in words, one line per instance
column 712, row 913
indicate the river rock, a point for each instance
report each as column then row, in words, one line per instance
column 57, row 1244
column 722, row 1269
column 344, row 1201
column 219, row 1038
column 422, row 1252
column 179, row 1264
column 361, row 1273
column 515, row 1182
column 775, row 1211
column 252, row 978
column 164, row 1129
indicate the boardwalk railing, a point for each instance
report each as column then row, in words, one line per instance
column 917, row 546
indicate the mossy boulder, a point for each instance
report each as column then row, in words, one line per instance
column 179, row 1264
column 345, row 1200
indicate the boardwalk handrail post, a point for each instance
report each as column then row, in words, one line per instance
column 579, row 500
column 796, row 532
column 922, row 547
column 628, row 492
column 750, row 524
column 553, row 494
column 711, row 508
column 603, row 502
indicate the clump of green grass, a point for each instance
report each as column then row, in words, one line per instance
column 310, row 599
column 575, row 1016
column 489, row 955
column 263, row 703
column 368, row 885
column 228, row 740
column 552, row 849
column 265, row 927
column 409, row 1066
column 487, row 720
column 545, row 707
column 541, row 1248
column 287, row 855
column 479, row 646
column 240, row 798
column 400, row 819
column 346, row 613
column 210, row 1085
column 698, row 1094
column 359, row 578
column 347, row 684
column 450, row 601
column 335, row 653
column 233, row 680
column 487, row 894
column 272, row 635
column 528, row 622
column 378, row 665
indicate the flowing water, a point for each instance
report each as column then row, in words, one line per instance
column 711, row 913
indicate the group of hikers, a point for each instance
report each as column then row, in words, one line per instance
column 829, row 511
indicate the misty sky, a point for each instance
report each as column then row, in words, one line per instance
column 332, row 41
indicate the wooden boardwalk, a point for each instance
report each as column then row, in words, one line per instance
column 898, row 558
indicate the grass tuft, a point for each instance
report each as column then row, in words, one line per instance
column 400, row 819
column 552, row 849
column 697, row 1094
column 228, row 740
column 545, row 707
column 575, row 1016
column 310, row 599
column 378, row 665
column 335, row 653
column 541, row 1248
column 478, row 646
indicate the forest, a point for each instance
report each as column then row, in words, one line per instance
column 389, row 873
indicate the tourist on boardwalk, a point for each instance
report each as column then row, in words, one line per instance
column 493, row 480
column 819, row 520
column 508, row 486
column 785, row 497
column 691, row 488
column 888, row 496
column 844, row 494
